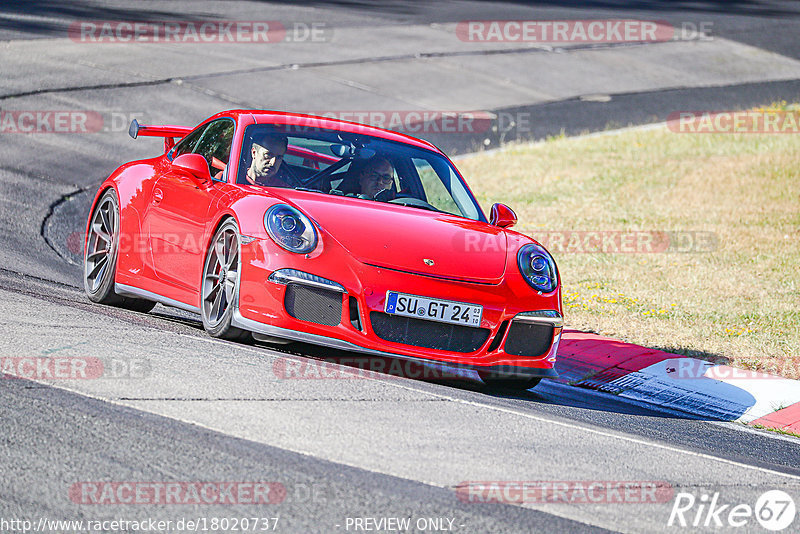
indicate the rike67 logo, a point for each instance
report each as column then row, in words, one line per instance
column 774, row 510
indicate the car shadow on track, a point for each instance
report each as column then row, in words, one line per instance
column 306, row 361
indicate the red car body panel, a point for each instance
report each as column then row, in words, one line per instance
column 167, row 222
column 385, row 235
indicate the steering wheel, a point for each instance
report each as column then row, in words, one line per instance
column 414, row 202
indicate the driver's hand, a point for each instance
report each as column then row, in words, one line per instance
column 384, row 195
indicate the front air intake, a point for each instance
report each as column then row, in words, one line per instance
column 528, row 339
column 428, row 334
column 313, row 304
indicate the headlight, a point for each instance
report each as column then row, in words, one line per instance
column 538, row 268
column 290, row 229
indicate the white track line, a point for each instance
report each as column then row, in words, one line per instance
column 564, row 424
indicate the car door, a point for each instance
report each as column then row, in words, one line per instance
column 178, row 211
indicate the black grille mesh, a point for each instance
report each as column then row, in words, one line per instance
column 427, row 334
column 312, row 304
column 526, row 339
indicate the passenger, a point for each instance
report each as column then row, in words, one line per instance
column 267, row 155
column 376, row 176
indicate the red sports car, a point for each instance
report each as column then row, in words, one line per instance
column 288, row 227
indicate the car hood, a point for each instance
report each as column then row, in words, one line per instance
column 403, row 238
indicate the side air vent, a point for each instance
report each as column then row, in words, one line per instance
column 499, row 337
column 355, row 317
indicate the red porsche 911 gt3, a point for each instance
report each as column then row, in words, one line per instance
column 288, row 227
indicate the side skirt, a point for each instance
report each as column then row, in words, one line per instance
column 130, row 291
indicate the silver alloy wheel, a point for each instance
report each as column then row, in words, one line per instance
column 100, row 247
column 221, row 276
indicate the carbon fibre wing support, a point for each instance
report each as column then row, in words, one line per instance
column 169, row 132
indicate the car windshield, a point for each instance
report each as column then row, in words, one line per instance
column 353, row 165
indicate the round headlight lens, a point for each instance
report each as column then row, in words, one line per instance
column 288, row 223
column 538, row 263
column 290, row 229
column 538, row 268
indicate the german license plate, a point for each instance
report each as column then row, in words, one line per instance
column 445, row 311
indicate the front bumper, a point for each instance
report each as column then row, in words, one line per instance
column 262, row 309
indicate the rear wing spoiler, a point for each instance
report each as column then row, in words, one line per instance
column 168, row 132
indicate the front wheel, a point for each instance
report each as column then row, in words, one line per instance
column 508, row 382
column 100, row 257
column 220, row 285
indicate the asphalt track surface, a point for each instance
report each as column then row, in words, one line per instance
column 348, row 448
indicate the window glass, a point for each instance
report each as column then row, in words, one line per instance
column 187, row 144
column 437, row 192
column 363, row 167
column 215, row 144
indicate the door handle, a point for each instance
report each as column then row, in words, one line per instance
column 158, row 196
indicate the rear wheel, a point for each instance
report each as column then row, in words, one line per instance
column 508, row 382
column 100, row 256
column 220, row 285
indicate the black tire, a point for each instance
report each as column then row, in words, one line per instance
column 100, row 257
column 219, row 289
column 139, row 305
column 508, row 382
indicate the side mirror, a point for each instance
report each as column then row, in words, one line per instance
column 195, row 166
column 503, row 216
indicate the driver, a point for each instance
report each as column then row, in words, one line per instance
column 267, row 155
column 376, row 176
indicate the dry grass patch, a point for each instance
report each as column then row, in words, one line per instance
column 739, row 302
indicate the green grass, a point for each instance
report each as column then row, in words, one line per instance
column 778, row 430
column 737, row 303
